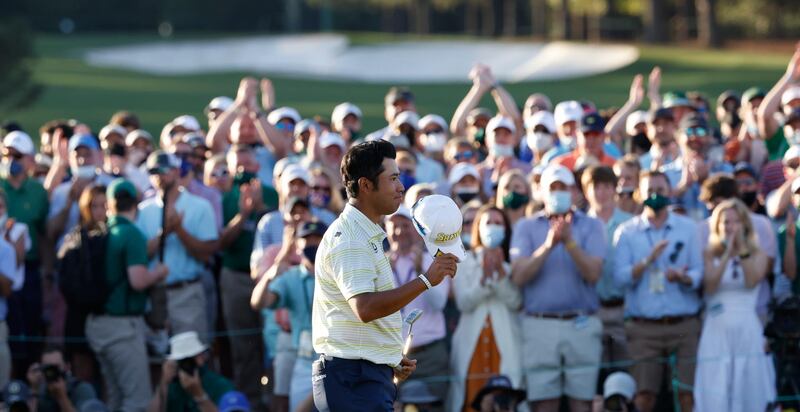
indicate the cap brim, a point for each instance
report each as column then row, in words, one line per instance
column 476, row 403
column 455, row 247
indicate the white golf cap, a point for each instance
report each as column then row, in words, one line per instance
column 438, row 220
column 280, row 113
column 343, row 110
column 185, row 345
column 407, row 117
column 20, row 141
column 219, row 103
column 498, row 122
column 432, row 119
column 792, row 93
column 137, row 134
column 619, row 383
column 633, row 120
column 188, row 122
column 460, row 170
column 556, row 173
column 329, row 139
column 112, row 128
column 792, row 153
column 568, row 111
column 541, row 118
column 292, row 172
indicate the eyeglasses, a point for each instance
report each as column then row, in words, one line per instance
column 325, row 189
column 464, row 155
column 14, row 155
column 697, row 132
column 289, row 127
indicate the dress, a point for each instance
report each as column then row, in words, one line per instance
column 733, row 373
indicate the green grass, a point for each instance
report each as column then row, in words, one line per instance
column 76, row 90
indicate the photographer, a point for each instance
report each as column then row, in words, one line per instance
column 186, row 383
column 498, row 395
column 53, row 385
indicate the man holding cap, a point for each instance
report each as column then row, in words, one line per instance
column 356, row 316
column 556, row 259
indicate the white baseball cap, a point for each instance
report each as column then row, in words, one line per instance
column 112, row 128
column 790, row 94
column 556, row 173
column 20, row 141
column 185, row 345
column 568, row 111
column 219, row 103
column 432, row 118
column 498, row 122
column 792, row 153
column 407, row 117
column 619, row 383
column 634, row 119
column 460, row 170
column 343, row 110
column 188, row 122
column 438, row 220
column 292, row 172
column 541, row 118
column 285, row 112
column 329, row 139
column 137, row 134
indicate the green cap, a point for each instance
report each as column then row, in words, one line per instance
column 675, row 99
column 752, row 93
column 120, row 186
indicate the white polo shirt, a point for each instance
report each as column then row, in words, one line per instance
column 350, row 261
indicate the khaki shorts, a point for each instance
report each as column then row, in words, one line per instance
column 650, row 344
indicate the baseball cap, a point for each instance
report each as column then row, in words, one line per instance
column 438, row 220
column 432, row 118
column 343, row 110
column 281, row 113
column 82, row 140
column 218, row 103
column 312, row 228
column 185, row 345
column 633, row 120
column 330, row 139
column 568, row 111
column 693, row 120
column 728, row 95
column 137, row 134
column 792, row 153
column 194, row 139
column 416, row 392
column 752, row 93
column 498, row 122
column 161, row 162
column 186, row 121
column 398, row 93
column 304, row 126
column 478, row 112
column 407, row 117
column 675, row 99
column 112, row 128
column 460, row 170
column 292, row 172
column 619, row 383
column 497, row 382
column 592, row 122
column 541, row 118
column 16, row 391
column 120, row 186
column 744, row 167
column 661, row 113
column 556, row 173
column 792, row 93
column 234, row 401
column 20, row 141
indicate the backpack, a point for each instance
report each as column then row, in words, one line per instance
column 82, row 269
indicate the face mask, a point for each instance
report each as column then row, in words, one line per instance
column 84, row 172
column 749, row 198
column 243, row 177
column 540, row 142
column 567, row 141
column 466, row 239
column 492, row 236
column 480, row 135
column 435, row 142
column 794, row 138
column 502, row 150
column 354, row 135
column 558, row 202
column 12, row 169
column 310, row 252
column 752, row 129
column 320, row 200
column 407, row 180
column 137, row 156
column 465, row 194
column 186, row 167
column 514, row 200
column 656, row 202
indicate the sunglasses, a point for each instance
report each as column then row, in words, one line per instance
column 464, row 155
column 15, row 155
column 283, row 126
column 697, row 131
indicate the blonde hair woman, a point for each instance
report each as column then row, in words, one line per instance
column 733, row 372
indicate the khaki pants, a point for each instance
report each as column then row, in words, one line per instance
column 118, row 343
column 244, row 324
column 186, row 310
column 615, row 344
column 5, row 355
column 650, row 344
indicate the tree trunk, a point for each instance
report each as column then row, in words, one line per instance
column 293, row 15
column 654, row 22
column 707, row 30
column 509, row 18
column 471, row 18
column 539, row 18
column 682, row 17
column 487, row 26
column 419, row 16
column 566, row 31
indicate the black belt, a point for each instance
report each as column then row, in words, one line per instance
column 181, row 284
column 559, row 316
column 666, row 320
column 612, row 303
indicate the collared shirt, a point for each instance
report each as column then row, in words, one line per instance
column 428, row 170
column 211, row 194
column 690, row 199
column 570, row 159
column 634, row 240
column 197, row 218
column 607, row 288
column 58, row 202
column 237, row 255
column 559, row 286
column 8, row 269
column 270, row 228
column 295, row 290
column 350, row 261
column 430, row 327
column 126, row 247
column 29, row 205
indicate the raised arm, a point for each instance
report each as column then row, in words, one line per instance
column 616, row 125
column 654, row 88
column 504, row 101
column 217, row 139
column 767, row 125
column 458, row 125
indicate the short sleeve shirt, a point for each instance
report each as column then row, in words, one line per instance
column 29, row 205
column 295, row 290
column 126, row 247
column 237, row 255
column 351, row 261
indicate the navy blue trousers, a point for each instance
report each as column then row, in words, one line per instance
column 352, row 386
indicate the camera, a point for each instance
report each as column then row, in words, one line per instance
column 188, row 365
column 52, row 373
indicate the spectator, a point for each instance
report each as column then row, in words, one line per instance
column 17, row 397
column 117, row 336
column 487, row 334
column 559, row 249
column 498, row 395
column 186, row 382
column 8, row 277
column 513, row 195
column 346, row 120
column 415, row 396
column 468, row 212
column 661, row 132
column 140, row 145
column 191, row 151
column 216, row 174
column 541, row 134
column 658, row 263
column 459, row 150
column 619, row 390
column 589, row 150
column 325, row 191
column 216, row 107
column 760, row 109
column 747, row 186
column 741, row 375
column 469, row 121
column 433, row 136
column 407, row 164
column 568, row 116
column 397, row 100
column 627, row 170
column 465, row 184
column 500, row 140
column 54, row 386
column 779, row 200
column 632, row 121
column 535, row 103
column 788, row 242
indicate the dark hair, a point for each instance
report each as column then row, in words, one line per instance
column 126, row 119
column 125, row 202
column 476, row 237
column 53, row 125
column 653, row 174
column 53, row 348
column 719, row 185
column 365, row 160
column 598, row 174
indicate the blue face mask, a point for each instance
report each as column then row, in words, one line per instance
column 558, row 202
column 186, row 167
column 492, row 236
column 407, row 180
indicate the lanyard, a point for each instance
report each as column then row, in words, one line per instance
column 653, row 243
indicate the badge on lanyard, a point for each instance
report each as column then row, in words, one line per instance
column 657, row 281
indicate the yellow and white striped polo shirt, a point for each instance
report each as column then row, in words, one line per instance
column 350, row 261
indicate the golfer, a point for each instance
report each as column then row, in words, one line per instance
column 356, row 322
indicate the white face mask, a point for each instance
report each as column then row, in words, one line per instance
column 567, row 141
column 491, row 235
column 558, row 202
column 540, row 142
column 502, row 150
column 84, row 172
column 435, row 142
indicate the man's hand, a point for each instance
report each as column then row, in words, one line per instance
column 267, row 94
column 174, row 220
column 791, row 227
column 58, row 390
column 191, row 383
column 636, row 94
column 654, row 83
column 658, row 249
column 793, row 68
column 246, row 90
column 246, row 201
column 678, row 275
column 443, row 265
column 161, row 270
column 405, row 369
column 77, row 188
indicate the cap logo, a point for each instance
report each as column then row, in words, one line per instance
column 445, row 238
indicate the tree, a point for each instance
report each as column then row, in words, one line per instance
column 17, row 88
column 655, row 29
column 707, row 29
